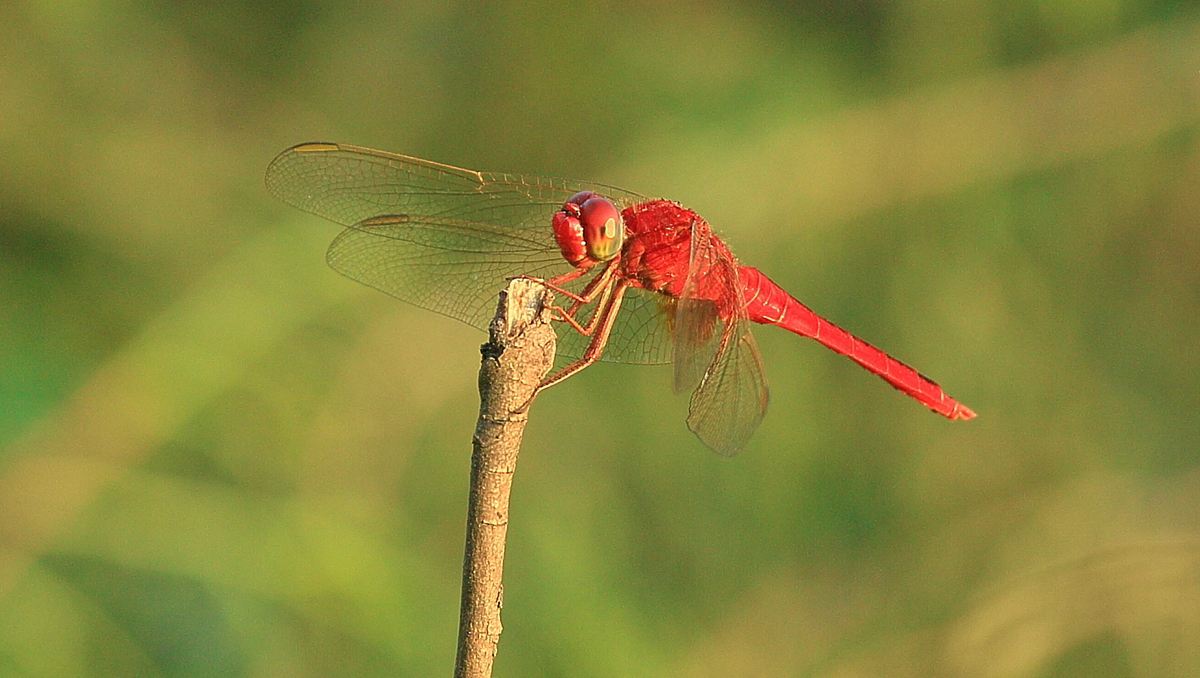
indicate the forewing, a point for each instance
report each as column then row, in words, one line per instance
column 447, row 239
column 349, row 184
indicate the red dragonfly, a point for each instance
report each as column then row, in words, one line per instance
column 648, row 281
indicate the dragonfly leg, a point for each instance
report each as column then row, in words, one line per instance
column 568, row 315
column 600, row 286
column 589, row 292
column 568, row 276
column 603, row 324
column 552, row 284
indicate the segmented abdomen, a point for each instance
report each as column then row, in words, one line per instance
column 769, row 304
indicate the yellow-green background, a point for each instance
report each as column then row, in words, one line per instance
column 219, row 458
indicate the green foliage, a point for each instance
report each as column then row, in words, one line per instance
column 221, row 459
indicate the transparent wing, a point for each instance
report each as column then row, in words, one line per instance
column 729, row 404
column 450, row 266
column 715, row 350
column 349, row 184
column 698, row 326
column 447, row 239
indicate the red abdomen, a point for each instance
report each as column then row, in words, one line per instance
column 768, row 304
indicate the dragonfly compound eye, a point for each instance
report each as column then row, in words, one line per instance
column 568, row 233
column 603, row 230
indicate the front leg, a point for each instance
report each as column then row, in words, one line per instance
column 600, row 286
column 568, row 315
column 589, row 293
column 602, row 324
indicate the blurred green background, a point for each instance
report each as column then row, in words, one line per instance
column 222, row 459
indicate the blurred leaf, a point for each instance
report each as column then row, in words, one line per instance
column 175, row 620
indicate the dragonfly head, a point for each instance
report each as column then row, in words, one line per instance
column 589, row 229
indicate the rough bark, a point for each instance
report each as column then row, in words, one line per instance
column 519, row 353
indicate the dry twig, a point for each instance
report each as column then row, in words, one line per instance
column 519, row 353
